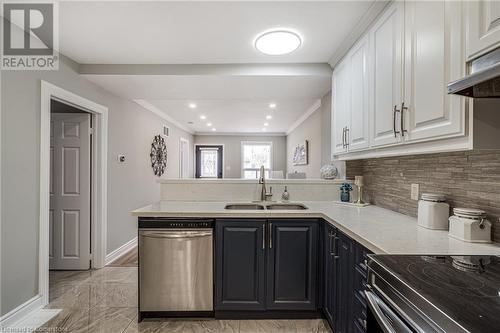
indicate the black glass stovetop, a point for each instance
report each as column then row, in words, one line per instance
column 464, row 288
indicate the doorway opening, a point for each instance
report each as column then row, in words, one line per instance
column 209, row 161
column 73, row 184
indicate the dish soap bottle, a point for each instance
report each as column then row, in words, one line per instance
column 285, row 196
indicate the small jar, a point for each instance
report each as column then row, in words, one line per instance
column 433, row 211
column 470, row 225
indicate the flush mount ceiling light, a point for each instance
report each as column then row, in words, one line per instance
column 269, row 116
column 192, row 105
column 202, row 117
column 272, row 105
column 209, row 124
column 214, row 129
column 278, row 42
column 266, row 124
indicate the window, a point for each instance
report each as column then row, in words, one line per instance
column 254, row 155
column 208, row 163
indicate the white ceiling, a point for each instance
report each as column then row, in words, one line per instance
column 164, row 32
column 231, row 103
column 221, row 33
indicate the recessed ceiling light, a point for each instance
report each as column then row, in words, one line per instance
column 266, row 124
column 278, row 42
column 269, row 116
column 213, row 129
column 192, row 105
column 202, row 117
column 209, row 124
column 263, row 129
column 272, row 105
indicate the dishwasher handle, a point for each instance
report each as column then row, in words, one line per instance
column 175, row 234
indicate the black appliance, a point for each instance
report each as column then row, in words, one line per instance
column 453, row 294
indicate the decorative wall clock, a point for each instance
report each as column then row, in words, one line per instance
column 158, row 155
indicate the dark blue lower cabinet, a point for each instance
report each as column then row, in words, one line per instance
column 343, row 305
column 266, row 265
column 240, row 247
column 292, row 265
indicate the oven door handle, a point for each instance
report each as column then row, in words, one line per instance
column 386, row 318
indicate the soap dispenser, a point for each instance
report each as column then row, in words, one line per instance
column 285, row 196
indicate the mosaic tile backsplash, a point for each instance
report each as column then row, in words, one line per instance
column 468, row 179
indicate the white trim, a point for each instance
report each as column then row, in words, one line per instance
column 240, row 134
column 313, row 108
column 99, row 181
column 117, row 253
column 23, row 310
column 223, row 158
column 150, row 107
column 181, row 140
column 271, row 163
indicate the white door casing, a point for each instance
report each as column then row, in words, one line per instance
column 70, row 193
column 434, row 56
column 387, row 51
column 183, row 158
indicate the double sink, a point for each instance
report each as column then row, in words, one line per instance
column 270, row 206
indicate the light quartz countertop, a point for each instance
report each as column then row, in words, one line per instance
column 378, row 229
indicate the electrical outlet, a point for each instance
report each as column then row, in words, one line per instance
column 414, row 191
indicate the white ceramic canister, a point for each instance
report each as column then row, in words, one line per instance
column 433, row 211
column 470, row 225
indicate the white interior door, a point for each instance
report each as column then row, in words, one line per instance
column 69, row 219
column 184, row 158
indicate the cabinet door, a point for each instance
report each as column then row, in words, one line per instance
column 434, row 55
column 387, row 50
column 329, row 275
column 344, row 275
column 240, row 264
column 292, row 265
column 341, row 92
column 483, row 28
column 358, row 130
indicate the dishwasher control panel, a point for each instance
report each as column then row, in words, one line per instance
column 158, row 222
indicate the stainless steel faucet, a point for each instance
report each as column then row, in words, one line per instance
column 264, row 195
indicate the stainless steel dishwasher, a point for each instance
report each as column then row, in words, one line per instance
column 175, row 267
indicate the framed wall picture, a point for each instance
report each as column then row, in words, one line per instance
column 301, row 154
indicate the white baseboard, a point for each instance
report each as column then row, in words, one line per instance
column 27, row 308
column 115, row 254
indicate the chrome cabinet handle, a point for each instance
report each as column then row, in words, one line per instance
column 394, row 121
column 263, row 237
column 343, row 138
column 333, row 251
column 403, row 108
column 270, row 235
column 330, row 247
column 347, row 137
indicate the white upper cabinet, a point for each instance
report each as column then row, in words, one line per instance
column 398, row 72
column 482, row 27
column 434, row 56
column 387, row 40
column 358, row 134
column 341, row 92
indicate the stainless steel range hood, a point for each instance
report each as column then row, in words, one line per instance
column 484, row 78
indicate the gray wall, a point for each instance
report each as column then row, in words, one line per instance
column 317, row 130
column 232, row 150
column 130, row 185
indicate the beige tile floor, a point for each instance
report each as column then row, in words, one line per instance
column 105, row 301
